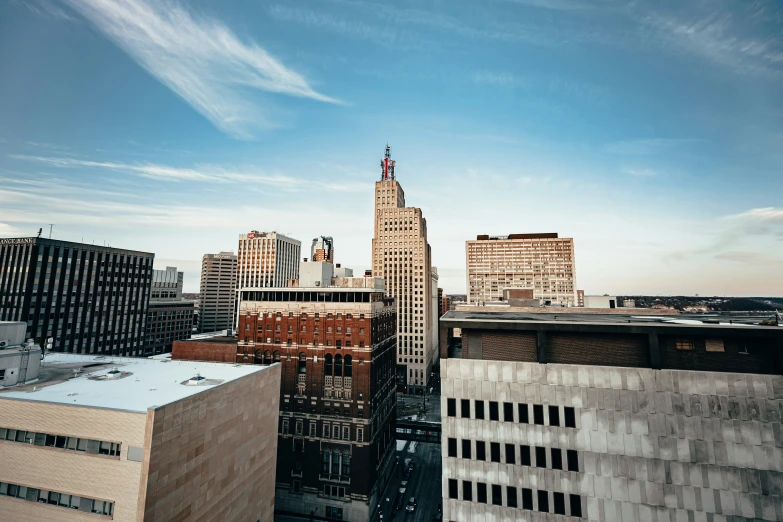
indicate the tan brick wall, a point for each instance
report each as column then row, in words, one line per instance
column 64, row 471
column 213, row 455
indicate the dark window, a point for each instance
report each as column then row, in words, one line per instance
column 523, row 414
column 557, row 458
column 452, row 447
column 540, row 457
column 559, row 501
column 524, row 455
column 570, row 417
column 538, row 414
column 527, row 498
column 465, row 407
column 453, row 488
column 479, row 406
column 511, row 496
column 481, row 452
column 481, row 493
column 576, row 505
column 543, row 501
column 573, row 460
column 510, row 457
column 465, row 448
column 451, row 407
column 554, row 416
column 508, row 412
column 467, row 490
column 497, row 495
column 494, row 451
column 493, row 411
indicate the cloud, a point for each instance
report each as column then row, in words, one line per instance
column 748, row 258
column 651, row 146
column 643, row 173
column 763, row 215
column 253, row 176
column 502, row 79
column 46, row 8
column 199, row 59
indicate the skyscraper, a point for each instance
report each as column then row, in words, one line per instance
column 401, row 256
column 217, row 292
column 169, row 318
column 322, row 249
column 89, row 299
column 267, row 259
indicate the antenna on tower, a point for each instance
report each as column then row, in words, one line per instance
column 51, row 226
column 387, row 165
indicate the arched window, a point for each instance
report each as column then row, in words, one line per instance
column 338, row 365
column 348, row 366
column 328, row 364
column 267, row 357
column 276, row 356
column 258, row 357
column 302, row 363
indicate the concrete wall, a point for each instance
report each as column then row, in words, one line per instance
column 12, row 332
column 652, row 445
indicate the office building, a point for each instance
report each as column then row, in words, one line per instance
column 601, row 301
column 543, row 262
column 217, row 292
column 89, row 299
column 322, row 249
column 123, row 439
column 167, row 284
column 401, row 256
column 169, row 318
column 335, row 340
column 456, row 300
column 580, row 298
column 266, row 259
column 611, row 418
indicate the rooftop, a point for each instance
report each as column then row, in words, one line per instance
column 122, row 383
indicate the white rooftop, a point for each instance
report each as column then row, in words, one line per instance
column 141, row 383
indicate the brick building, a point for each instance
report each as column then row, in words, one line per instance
column 612, row 418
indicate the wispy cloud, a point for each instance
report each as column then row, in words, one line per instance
column 651, row 146
column 45, row 8
column 763, row 215
column 198, row 58
column 642, row 173
column 502, row 79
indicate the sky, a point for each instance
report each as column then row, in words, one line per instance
column 650, row 132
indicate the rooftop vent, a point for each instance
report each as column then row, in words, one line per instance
column 114, row 373
column 195, row 381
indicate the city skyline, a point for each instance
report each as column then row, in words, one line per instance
column 652, row 138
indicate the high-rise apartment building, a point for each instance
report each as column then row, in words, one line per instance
column 217, row 292
column 266, row 259
column 89, row 299
column 169, row 318
column 401, row 256
column 322, row 249
column 543, row 262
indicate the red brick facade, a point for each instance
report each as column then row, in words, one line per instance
column 207, row 350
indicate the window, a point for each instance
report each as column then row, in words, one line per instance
column 540, row 457
column 508, row 412
column 573, row 460
column 523, row 414
column 465, row 408
column 683, row 344
column 336, row 431
column 299, row 427
column 510, row 458
column 481, row 493
column 465, row 448
column 359, row 434
column 559, row 503
column 346, row 433
column 554, row 416
column 576, row 505
column 284, row 429
column 479, row 407
column 557, row 458
column 543, row 501
column 451, row 407
column 481, row 451
column 494, row 451
column 527, row 498
column 453, row 488
column 497, row 495
column 570, row 417
column 493, row 411
column 452, row 447
column 538, row 414
column 312, row 429
column 511, row 496
column 326, row 431
column 107, row 448
column 524, row 455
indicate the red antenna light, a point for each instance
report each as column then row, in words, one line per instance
column 387, row 165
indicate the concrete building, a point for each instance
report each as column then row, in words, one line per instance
column 601, row 301
column 322, row 249
column 441, row 309
column 456, row 300
column 266, row 259
column 401, row 256
column 544, row 262
column 89, row 299
column 613, row 418
column 167, row 284
column 19, row 360
column 100, row 438
column 580, row 298
column 217, row 292
column 169, row 318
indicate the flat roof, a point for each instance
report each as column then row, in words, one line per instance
column 141, row 383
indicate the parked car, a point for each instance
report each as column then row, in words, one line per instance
column 411, row 507
column 399, row 501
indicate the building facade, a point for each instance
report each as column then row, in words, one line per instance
column 336, row 346
column 167, row 284
column 441, row 302
column 266, row 259
column 322, row 249
column 139, row 440
column 217, row 292
column 611, row 419
column 89, row 299
column 544, row 262
column 169, row 318
column 401, row 256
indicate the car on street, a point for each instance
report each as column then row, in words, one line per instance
column 411, row 507
column 399, row 501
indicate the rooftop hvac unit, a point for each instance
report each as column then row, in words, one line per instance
column 3, row 344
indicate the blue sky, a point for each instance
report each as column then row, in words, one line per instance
column 650, row 132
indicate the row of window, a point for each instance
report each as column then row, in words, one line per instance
column 54, row 498
column 512, row 498
column 97, row 447
column 535, row 456
column 328, row 431
column 523, row 412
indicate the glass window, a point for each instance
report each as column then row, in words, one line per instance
column 451, row 407
column 543, row 501
column 452, row 447
column 479, row 407
column 494, row 451
column 511, row 496
column 481, row 492
column 570, row 417
column 481, row 450
column 540, row 457
column 465, row 408
column 493, row 411
column 497, row 495
column 453, row 487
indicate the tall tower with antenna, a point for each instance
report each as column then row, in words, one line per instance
column 387, row 165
